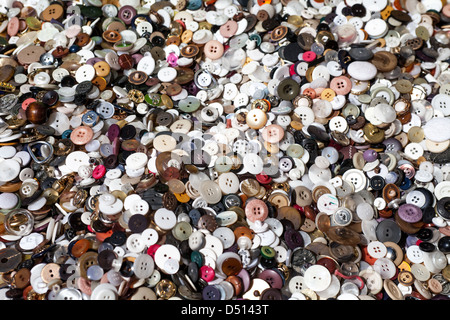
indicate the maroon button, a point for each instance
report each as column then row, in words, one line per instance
column 126, row 61
column 272, row 277
column 127, row 13
column 113, row 132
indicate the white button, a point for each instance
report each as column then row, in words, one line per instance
column 356, row 177
column 414, row 254
column 317, row 278
column 136, row 160
column 196, row 240
column 338, row 124
column 374, row 282
column 332, row 290
column 167, row 74
column 414, row 150
column 165, row 219
column 146, row 64
column 334, row 68
column 104, row 291
column 441, row 102
column 31, row 241
column 149, row 237
column 318, row 175
column 85, row 73
column 111, row 209
column 143, row 266
column 385, row 267
column 225, row 235
column 164, row 253
column 58, row 121
column 135, row 243
column 420, row 272
column 365, row 211
column 229, row 183
column 214, row 244
column 74, row 160
column 377, row 249
column 416, row 198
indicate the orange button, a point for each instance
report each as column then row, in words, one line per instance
column 80, row 247
column 102, row 68
column 310, row 93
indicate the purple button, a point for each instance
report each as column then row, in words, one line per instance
column 293, row 239
column 410, row 213
column 210, row 292
column 392, row 145
column 93, row 61
column 245, row 277
column 370, row 155
column 272, row 277
column 126, row 14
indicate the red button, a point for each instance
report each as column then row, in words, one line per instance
column 152, row 250
column 309, row 56
column 99, row 172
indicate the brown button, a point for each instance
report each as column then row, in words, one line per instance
column 406, row 278
column 176, row 186
column 279, row 33
column 303, row 196
column 435, row 286
column 164, row 119
column 22, row 278
column 207, row 222
column 305, row 41
column 82, row 39
column 291, row 214
column 130, row 145
column 88, row 259
column 391, row 192
column 53, row 11
column 184, row 75
column 173, row 40
column 319, row 191
column 126, row 61
column 158, row 53
column 174, row 89
column 102, row 68
column 170, row 173
column 344, row 235
column 384, row 61
column 231, row 266
column 262, row 15
column 237, row 284
column 323, row 222
column 117, row 26
column 250, row 187
column 111, row 36
column 30, row 54
column 243, row 232
column 100, row 82
column 189, row 51
column 342, row 253
column 6, row 73
column 308, row 226
column 137, row 77
column 170, row 202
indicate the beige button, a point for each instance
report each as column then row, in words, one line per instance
column 50, row 272
column 392, row 290
column 256, row 119
column 303, row 196
column 416, row 134
column 164, row 143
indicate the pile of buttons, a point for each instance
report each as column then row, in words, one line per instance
column 224, row 149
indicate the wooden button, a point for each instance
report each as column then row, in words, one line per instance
column 53, row 11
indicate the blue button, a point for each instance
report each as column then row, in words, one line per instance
column 194, row 4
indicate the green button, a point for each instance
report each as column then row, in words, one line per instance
column 350, row 110
column 182, row 231
column 288, row 89
column 153, row 99
column 190, row 104
column 197, row 258
column 91, row 12
column 267, row 252
column 295, row 151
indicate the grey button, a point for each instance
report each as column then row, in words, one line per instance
column 388, row 230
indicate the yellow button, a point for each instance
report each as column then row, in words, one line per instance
column 328, row 94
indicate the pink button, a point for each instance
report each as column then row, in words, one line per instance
column 172, row 59
column 113, row 132
column 13, row 27
column 256, row 210
column 341, row 85
column 273, row 133
column 99, row 172
column 309, row 56
column 229, row 29
column 27, row 102
column 84, row 285
column 207, row 273
column 263, row 178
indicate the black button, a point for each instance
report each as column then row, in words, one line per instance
column 192, row 271
column 358, row 10
column 137, row 223
column 426, row 246
column 425, row 234
column 118, row 238
column 68, row 81
column 128, row 132
column 64, row 273
column 360, row 54
column 50, row 98
column 444, row 244
column 105, row 259
column 377, row 183
column 126, row 269
column 443, row 207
